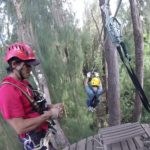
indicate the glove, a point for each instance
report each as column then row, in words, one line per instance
column 55, row 113
column 88, row 75
column 96, row 74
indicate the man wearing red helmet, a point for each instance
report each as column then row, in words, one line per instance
column 19, row 102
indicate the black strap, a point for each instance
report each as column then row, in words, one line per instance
column 95, row 98
column 95, row 92
column 124, row 56
column 34, row 105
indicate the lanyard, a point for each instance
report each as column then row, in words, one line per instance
column 114, row 30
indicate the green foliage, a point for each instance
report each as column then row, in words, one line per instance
column 63, row 50
column 80, row 128
column 62, row 57
column 2, row 65
column 90, row 38
column 127, row 89
column 145, row 117
column 8, row 137
column 127, row 95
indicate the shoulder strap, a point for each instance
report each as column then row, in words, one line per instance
column 33, row 103
column 95, row 92
column 133, row 76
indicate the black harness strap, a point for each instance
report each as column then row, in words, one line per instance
column 33, row 103
column 133, row 76
column 95, row 98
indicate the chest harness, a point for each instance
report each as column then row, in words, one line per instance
column 38, row 104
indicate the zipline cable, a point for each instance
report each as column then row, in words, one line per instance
column 117, row 9
column 115, row 32
column 118, row 6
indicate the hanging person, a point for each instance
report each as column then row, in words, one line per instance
column 94, row 90
column 18, row 104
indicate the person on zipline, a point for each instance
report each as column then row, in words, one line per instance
column 25, row 110
column 93, row 88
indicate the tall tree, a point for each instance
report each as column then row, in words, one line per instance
column 113, row 91
column 57, row 40
column 139, row 47
column 26, row 34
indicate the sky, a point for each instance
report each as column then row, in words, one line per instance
column 79, row 5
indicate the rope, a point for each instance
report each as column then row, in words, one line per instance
column 118, row 6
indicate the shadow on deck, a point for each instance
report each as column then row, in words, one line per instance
column 130, row 136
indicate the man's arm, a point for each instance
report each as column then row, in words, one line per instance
column 21, row 125
column 86, row 82
column 100, row 90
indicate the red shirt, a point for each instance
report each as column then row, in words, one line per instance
column 14, row 104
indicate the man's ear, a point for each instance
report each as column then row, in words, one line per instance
column 14, row 64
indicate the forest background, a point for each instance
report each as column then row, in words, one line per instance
column 65, row 49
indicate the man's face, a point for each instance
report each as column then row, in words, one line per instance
column 23, row 70
column 26, row 70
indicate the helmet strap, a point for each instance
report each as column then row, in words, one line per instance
column 20, row 71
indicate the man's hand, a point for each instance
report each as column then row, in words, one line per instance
column 60, row 106
column 88, row 75
column 55, row 113
column 57, row 110
column 96, row 74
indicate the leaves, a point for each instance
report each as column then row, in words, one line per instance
column 65, row 50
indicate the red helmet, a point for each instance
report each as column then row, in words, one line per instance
column 21, row 51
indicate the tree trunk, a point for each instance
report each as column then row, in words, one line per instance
column 113, row 92
column 139, row 46
column 25, row 32
column 101, row 110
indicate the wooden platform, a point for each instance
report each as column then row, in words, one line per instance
column 122, row 137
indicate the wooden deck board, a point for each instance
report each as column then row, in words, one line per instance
column 120, row 134
column 119, row 138
column 117, row 127
column 66, row 148
column 89, row 145
column 123, row 133
column 124, row 145
column 73, row 146
column 129, row 128
column 147, row 129
column 139, row 143
column 131, row 144
column 81, row 145
column 97, row 142
column 123, row 137
column 116, row 146
column 107, row 147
